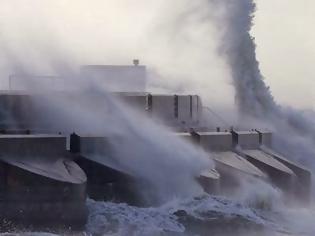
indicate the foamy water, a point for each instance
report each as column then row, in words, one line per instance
column 204, row 215
column 197, row 216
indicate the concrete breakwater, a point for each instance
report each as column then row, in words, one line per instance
column 45, row 182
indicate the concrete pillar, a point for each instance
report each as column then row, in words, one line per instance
column 230, row 165
column 302, row 185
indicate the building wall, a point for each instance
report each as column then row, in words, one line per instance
column 215, row 141
column 246, row 140
column 116, row 78
column 26, row 112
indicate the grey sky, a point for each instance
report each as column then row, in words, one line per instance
column 164, row 34
column 285, row 37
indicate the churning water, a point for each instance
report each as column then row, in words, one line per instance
column 203, row 215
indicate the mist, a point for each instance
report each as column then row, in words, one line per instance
column 195, row 47
column 177, row 41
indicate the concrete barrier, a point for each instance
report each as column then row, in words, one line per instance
column 302, row 188
column 249, row 144
column 246, row 139
column 210, row 180
column 107, row 180
column 215, row 141
column 265, row 137
column 230, row 165
column 221, row 144
column 40, row 184
column 280, row 174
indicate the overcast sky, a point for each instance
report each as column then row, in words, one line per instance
column 285, row 37
column 165, row 34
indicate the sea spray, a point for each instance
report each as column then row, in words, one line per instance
column 173, row 218
column 234, row 22
column 294, row 133
column 142, row 148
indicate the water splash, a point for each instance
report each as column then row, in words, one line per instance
column 202, row 215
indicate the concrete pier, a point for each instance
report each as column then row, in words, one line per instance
column 40, row 184
column 220, row 145
column 248, row 146
column 230, row 165
column 302, row 187
column 107, row 180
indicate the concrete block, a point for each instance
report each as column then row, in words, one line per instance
column 163, row 108
column 302, row 188
column 246, row 139
column 37, row 175
column 280, row 174
column 215, row 141
column 265, row 138
column 30, row 199
column 302, row 185
column 16, row 111
column 32, row 145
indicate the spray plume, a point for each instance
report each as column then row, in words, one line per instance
column 255, row 102
column 238, row 47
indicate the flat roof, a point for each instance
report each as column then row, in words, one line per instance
column 7, row 136
column 246, row 132
column 131, row 93
column 213, row 133
column 182, row 134
column 111, row 66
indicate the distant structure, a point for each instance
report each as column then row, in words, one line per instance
column 117, row 78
